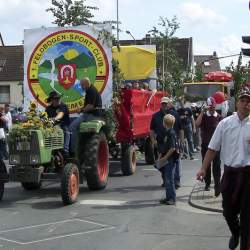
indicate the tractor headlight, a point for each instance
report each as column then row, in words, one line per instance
column 34, row 159
column 14, row 159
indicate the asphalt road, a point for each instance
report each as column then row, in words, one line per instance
column 126, row 215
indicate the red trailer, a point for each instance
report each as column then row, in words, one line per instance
column 133, row 115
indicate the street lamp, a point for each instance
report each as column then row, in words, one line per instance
column 128, row 32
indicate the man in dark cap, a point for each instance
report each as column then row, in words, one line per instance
column 232, row 137
column 59, row 112
column 157, row 133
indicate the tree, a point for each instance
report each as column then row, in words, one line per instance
column 168, row 63
column 71, row 12
column 240, row 73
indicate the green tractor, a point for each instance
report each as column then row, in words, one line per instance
column 36, row 156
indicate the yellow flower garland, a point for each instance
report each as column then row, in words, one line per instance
column 35, row 120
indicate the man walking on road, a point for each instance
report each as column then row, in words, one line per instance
column 188, row 126
column 232, row 137
column 208, row 120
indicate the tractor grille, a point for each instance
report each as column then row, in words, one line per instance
column 25, row 159
column 24, row 146
column 56, row 141
column 47, row 142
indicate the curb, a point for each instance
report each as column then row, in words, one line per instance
column 204, row 200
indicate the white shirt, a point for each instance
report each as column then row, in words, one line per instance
column 215, row 114
column 8, row 117
column 224, row 108
column 2, row 134
column 232, row 137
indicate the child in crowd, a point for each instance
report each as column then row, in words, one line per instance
column 168, row 158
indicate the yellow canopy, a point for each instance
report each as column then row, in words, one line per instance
column 135, row 62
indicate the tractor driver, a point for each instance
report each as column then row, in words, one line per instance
column 59, row 113
column 91, row 109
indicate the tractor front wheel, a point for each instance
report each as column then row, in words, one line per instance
column 128, row 161
column 96, row 158
column 70, row 184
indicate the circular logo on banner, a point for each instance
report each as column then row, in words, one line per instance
column 60, row 61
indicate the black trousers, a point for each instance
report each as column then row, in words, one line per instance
column 236, row 203
column 216, row 167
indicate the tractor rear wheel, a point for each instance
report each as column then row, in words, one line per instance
column 128, row 161
column 31, row 185
column 70, row 184
column 96, row 158
column 150, row 152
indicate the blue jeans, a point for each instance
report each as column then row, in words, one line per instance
column 66, row 133
column 169, row 170
column 188, row 132
column 74, row 128
column 177, row 173
column 3, row 150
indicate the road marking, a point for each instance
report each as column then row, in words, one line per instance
column 103, row 202
column 58, row 237
column 52, row 223
column 103, row 228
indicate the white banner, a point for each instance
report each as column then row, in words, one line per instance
column 56, row 59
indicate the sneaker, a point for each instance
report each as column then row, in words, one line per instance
column 233, row 242
column 184, row 157
column 207, row 188
column 66, row 154
column 170, row 202
column 216, row 191
column 177, row 185
column 163, row 201
column 191, row 158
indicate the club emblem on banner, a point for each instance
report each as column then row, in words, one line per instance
column 59, row 62
column 66, row 75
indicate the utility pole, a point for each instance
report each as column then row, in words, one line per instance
column 117, row 22
column 163, row 61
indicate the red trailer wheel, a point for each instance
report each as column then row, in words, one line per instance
column 128, row 161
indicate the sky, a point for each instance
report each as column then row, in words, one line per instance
column 214, row 25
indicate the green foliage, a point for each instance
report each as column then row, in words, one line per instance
column 198, row 74
column 110, row 123
column 118, row 78
column 240, row 73
column 71, row 12
column 168, row 64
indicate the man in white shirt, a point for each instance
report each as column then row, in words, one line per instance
column 232, row 137
column 7, row 116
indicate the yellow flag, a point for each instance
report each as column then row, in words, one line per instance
column 135, row 62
